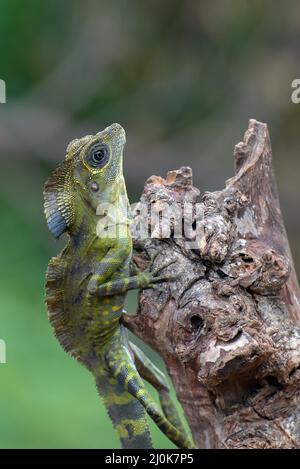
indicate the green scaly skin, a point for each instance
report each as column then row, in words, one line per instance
column 87, row 284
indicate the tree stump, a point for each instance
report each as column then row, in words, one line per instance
column 228, row 326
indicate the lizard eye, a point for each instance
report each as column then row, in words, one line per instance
column 97, row 156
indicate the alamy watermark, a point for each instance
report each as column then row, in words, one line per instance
column 2, row 92
column 2, row 351
column 295, row 96
column 160, row 220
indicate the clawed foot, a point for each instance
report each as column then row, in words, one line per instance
column 155, row 278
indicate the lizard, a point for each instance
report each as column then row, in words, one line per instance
column 87, row 283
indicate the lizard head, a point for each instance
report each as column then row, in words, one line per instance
column 90, row 174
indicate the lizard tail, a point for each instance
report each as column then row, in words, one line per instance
column 126, row 413
column 124, row 371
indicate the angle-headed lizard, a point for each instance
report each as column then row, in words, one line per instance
column 87, row 284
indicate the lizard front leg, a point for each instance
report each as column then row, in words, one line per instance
column 143, row 279
column 115, row 258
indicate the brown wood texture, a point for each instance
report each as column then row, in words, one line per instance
column 228, row 326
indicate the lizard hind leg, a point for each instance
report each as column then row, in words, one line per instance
column 126, row 413
column 158, row 380
column 124, row 371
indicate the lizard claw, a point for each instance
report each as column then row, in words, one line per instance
column 153, row 257
column 155, row 287
column 167, row 278
column 155, row 278
column 158, row 269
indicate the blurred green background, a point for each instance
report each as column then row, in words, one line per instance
column 183, row 78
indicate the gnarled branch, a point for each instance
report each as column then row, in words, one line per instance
column 228, row 327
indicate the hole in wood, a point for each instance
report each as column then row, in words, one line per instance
column 196, row 322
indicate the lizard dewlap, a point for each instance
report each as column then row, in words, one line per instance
column 87, row 283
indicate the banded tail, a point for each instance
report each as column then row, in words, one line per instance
column 126, row 413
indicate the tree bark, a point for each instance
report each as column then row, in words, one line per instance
column 228, row 326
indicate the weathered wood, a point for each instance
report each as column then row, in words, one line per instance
column 227, row 328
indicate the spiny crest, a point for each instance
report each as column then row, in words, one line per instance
column 76, row 145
